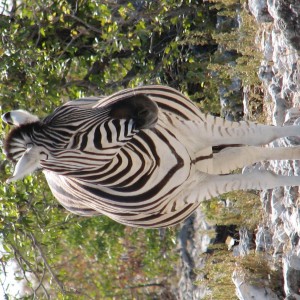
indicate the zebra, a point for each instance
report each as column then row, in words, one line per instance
column 145, row 157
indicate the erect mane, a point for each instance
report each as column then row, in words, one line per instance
column 15, row 142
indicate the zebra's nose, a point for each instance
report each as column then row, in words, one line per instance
column 7, row 118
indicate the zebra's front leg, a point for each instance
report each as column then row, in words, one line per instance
column 215, row 185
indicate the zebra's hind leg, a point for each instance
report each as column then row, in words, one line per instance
column 213, row 185
column 232, row 158
column 245, row 133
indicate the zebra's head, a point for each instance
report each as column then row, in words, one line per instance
column 18, row 145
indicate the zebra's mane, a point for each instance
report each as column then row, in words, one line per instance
column 15, row 144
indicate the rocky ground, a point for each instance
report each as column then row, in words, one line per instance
column 278, row 235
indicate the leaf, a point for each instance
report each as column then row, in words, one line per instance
column 6, row 247
column 42, row 32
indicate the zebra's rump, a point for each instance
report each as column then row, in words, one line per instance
column 167, row 99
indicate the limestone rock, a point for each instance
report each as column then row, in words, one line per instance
column 246, row 291
column 259, row 9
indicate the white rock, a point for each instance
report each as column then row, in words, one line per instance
column 267, row 46
column 280, row 235
column 259, row 9
column 291, row 276
column 246, row 291
column 293, row 261
column 272, row 8
column 277, row 207
column 263, row 239
column 288, row 222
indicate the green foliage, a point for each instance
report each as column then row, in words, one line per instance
column 53, row 51
column 95, row 47
column 241, row 40
column 254, row 267
column 217, row 274
column 258, row 271
column 242, row 205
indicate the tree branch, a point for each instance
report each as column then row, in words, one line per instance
column 83, row 23
column 57, row 281
column 18, row 257
column 138, row 286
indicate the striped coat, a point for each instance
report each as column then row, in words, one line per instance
column 144, row 157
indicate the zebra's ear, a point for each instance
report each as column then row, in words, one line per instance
column 19, row 117
column 140, row 108
column 28, row 163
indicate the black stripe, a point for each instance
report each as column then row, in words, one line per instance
column 108, row 132
column 199, row 158
column 169, row 221
column 84, row 141
column 97, row 138
column 117, row 125
column 109, row 181
column 172, row 110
